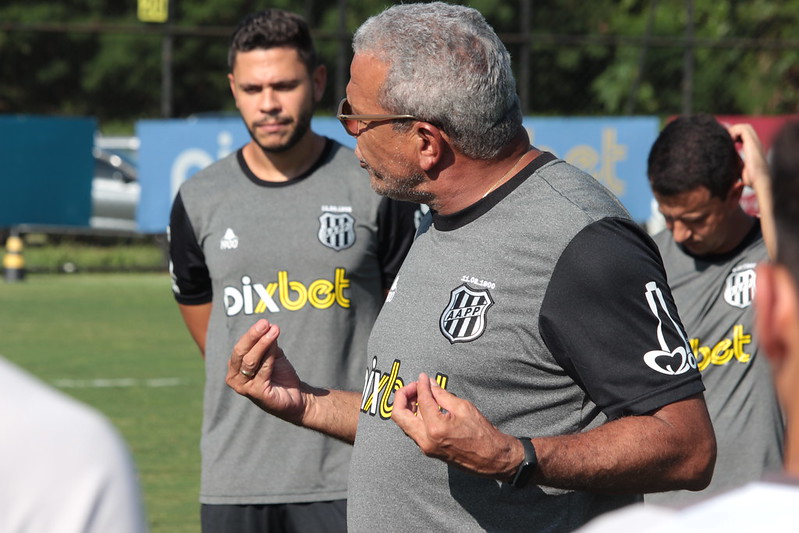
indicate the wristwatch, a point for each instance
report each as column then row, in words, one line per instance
column 527, row 467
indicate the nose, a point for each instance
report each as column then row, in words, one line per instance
column 269, row 102
column 680, row 232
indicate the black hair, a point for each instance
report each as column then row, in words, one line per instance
column 694, row 151
column 273, row 28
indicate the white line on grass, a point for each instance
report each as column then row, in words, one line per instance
column 119, row 383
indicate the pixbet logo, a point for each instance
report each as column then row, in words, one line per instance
column 379, row 388
column 254, row 298
column 724, row 351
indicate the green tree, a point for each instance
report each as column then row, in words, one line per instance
column 93, row 57
column 736, row 68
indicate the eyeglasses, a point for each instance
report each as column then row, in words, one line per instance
column 352, row 123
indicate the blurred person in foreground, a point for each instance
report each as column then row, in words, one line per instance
column 768, row 505
column 560, row 381
column 287, row 228
column 710, row 250
column 63, row 466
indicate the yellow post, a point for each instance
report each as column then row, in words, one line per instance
column 153, row 11
column 13, row 261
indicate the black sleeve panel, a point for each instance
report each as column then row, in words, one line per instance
column 396, row 230
column 191, row 281
column 609, row 319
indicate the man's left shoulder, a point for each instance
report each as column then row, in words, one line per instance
column 575, row 189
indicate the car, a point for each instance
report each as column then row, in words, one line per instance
column 115, row 188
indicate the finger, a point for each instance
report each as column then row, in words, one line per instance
column 260, row 358
column 405, row 398
column 745, row 134
column 246, row 343
column 740, row 133
column 249, row 351
column 734, row 132
column 403, row 412
column 428, row 407
column 446, row 401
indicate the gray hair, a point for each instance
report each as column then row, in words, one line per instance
column 448, row 67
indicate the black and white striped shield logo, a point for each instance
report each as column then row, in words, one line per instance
column 464, row 319
column 337, row 230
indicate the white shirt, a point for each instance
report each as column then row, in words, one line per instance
column 755, row 507
column 63, row 466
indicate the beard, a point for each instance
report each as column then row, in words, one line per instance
column 396, row 187
column 301, row 127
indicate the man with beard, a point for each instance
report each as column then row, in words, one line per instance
column 528, row 370
column 285, row 227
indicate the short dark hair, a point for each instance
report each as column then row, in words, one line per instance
column 785, row 193
column 273, row 28
column 694, row 151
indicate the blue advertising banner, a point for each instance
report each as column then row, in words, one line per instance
column 170, row 152
column 613, row 150
column 47, row 169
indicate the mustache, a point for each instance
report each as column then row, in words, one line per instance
column 273, row 120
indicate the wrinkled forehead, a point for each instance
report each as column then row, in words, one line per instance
column 367, row 76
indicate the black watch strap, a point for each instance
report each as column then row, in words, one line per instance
column 528, row 465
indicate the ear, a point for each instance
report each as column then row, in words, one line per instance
column 431, row 144
column 232, row 81
column 776, row 312
column 319, row 80
column 736, row 191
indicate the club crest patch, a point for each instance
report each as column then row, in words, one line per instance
column 739, row 288
column 336, row 230
column 464, row 319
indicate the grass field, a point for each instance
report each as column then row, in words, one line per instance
column 117, row 342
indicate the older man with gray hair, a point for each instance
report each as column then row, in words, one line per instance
column 529, row 347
